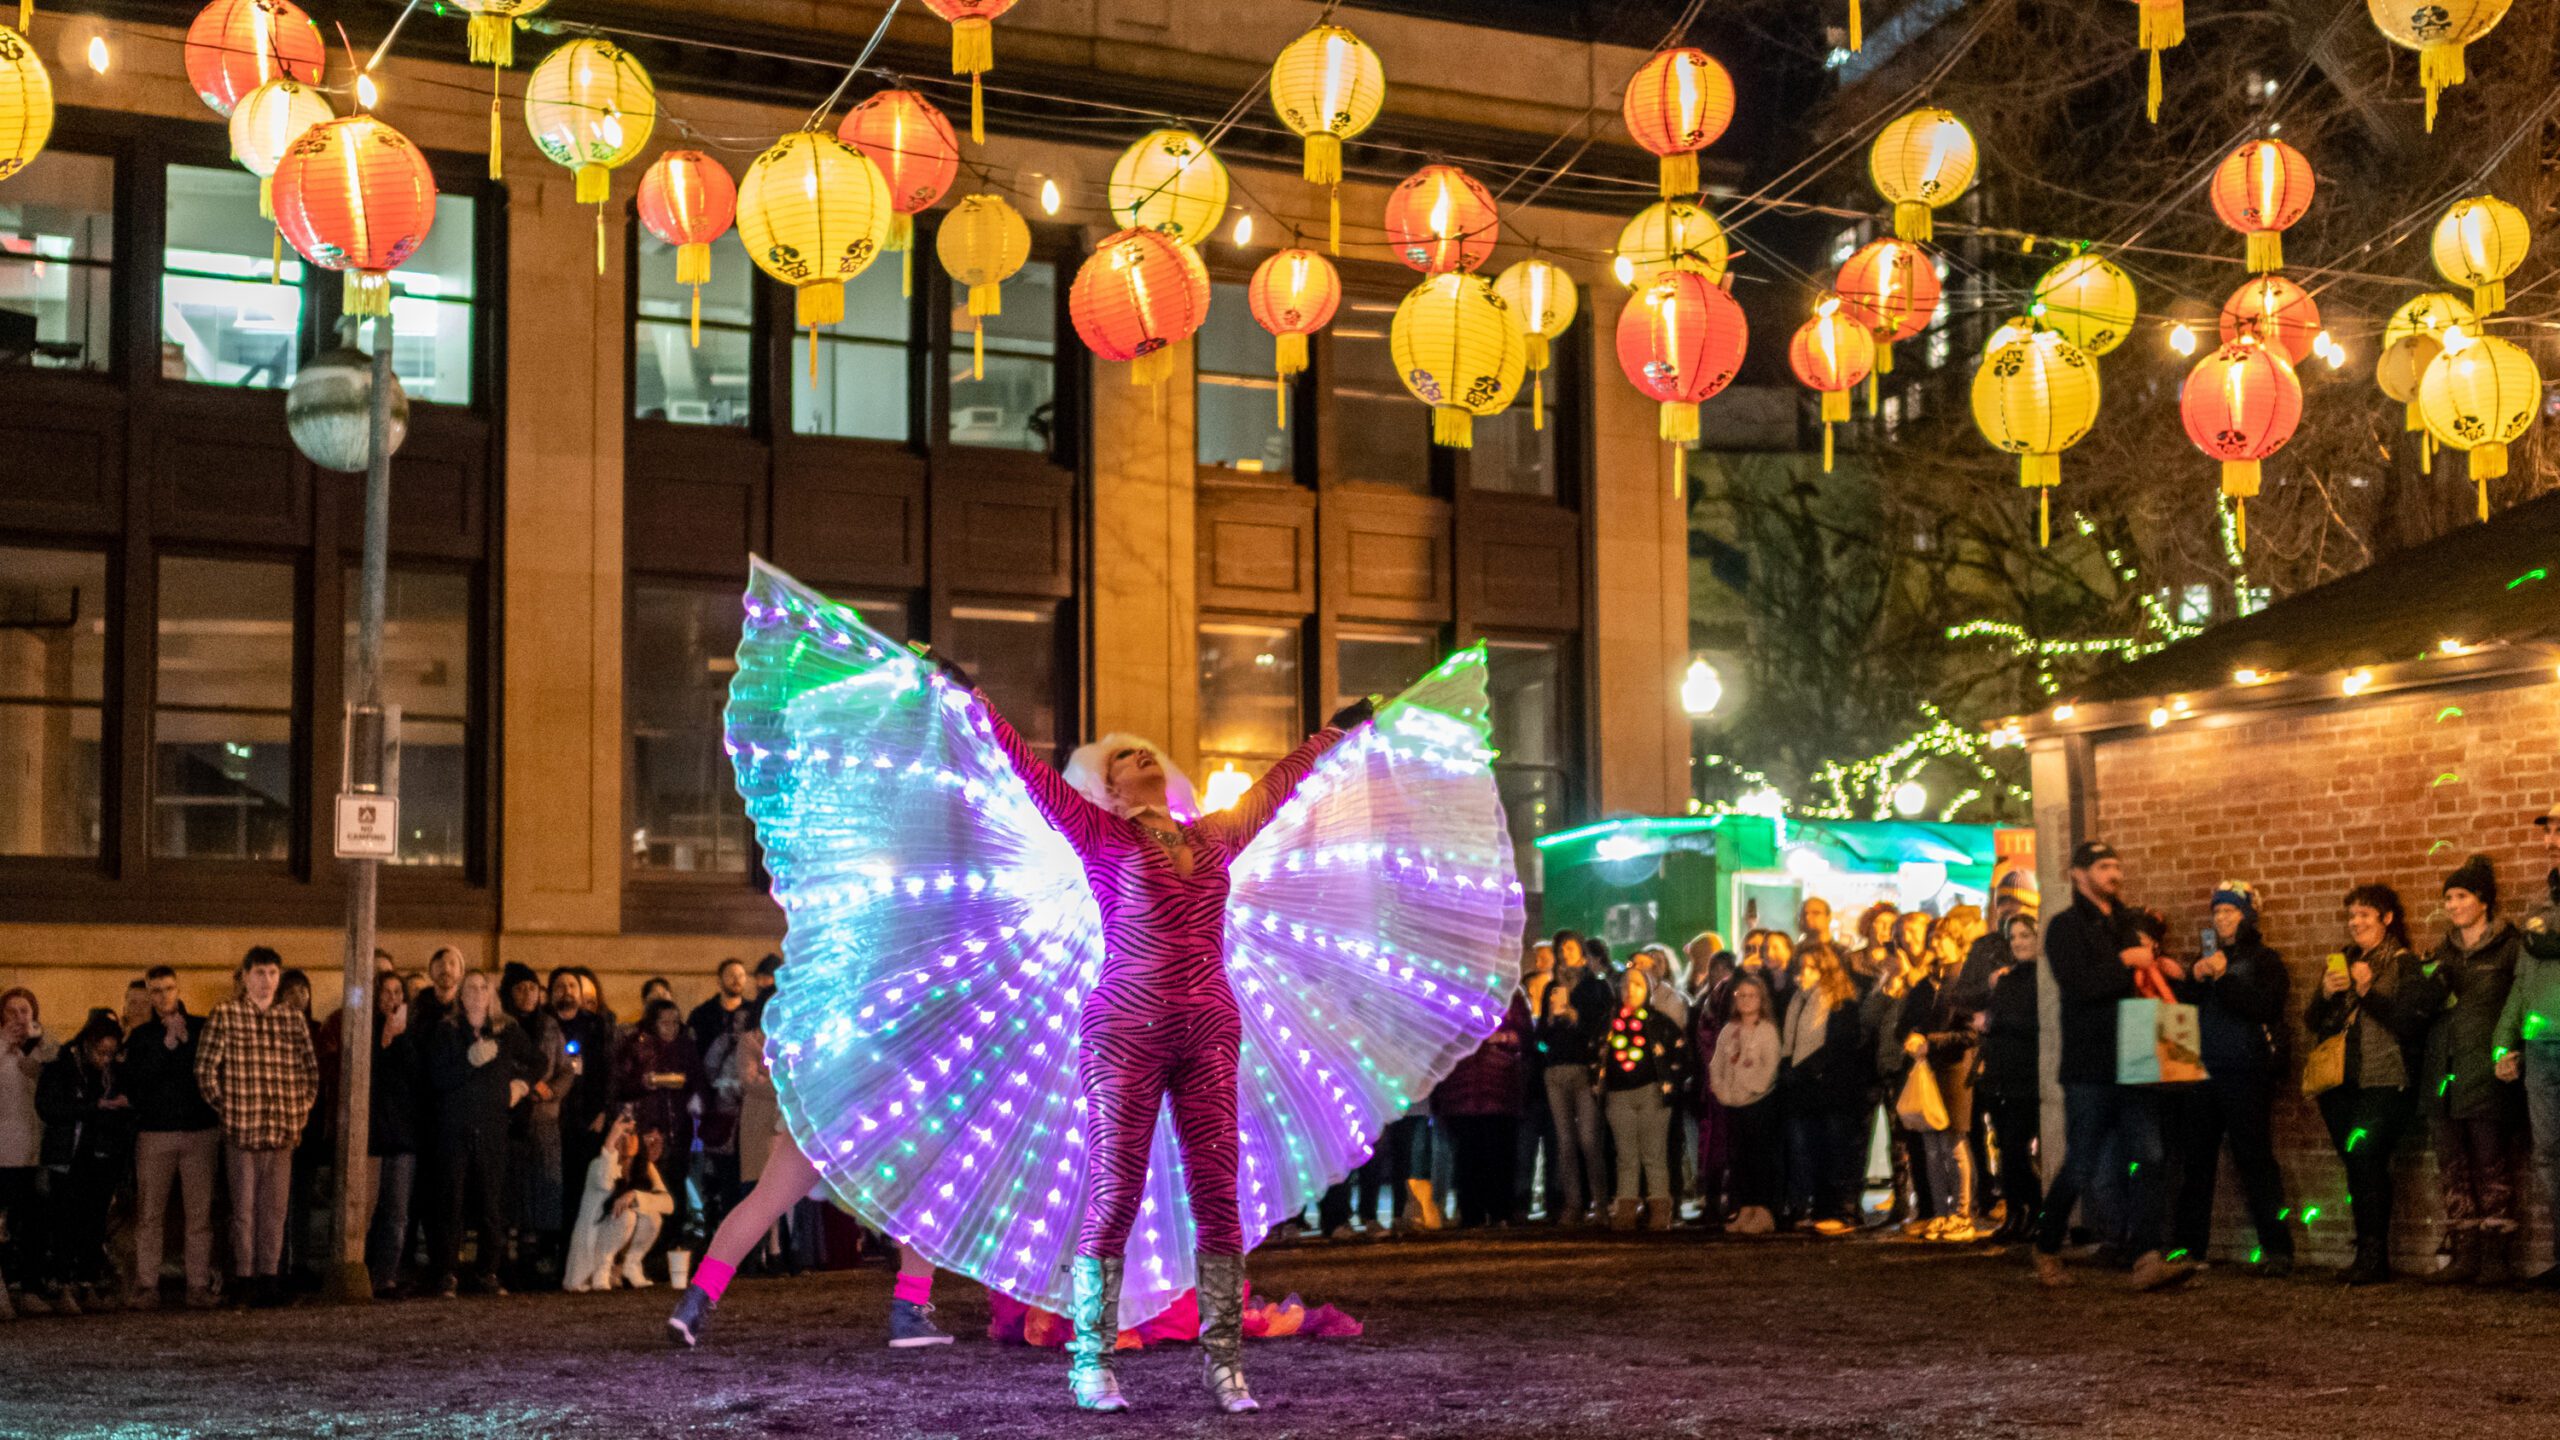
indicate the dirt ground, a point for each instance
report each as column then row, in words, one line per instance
column 1526, row 1334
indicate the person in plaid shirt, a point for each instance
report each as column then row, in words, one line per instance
column 257, row 1070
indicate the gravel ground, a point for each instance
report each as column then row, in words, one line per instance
column 1537, row 1334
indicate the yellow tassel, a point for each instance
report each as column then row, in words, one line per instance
column 1538, row 400
column 2489, row 299
column 2426, row 454
column 1884, row 365
column 1289, row 353
column 2040, row 471
column 26, row 15
column 2440, row 67
column 1835, row 406
column 1324, row 158
column 1857, row 27
column 1453, row 426
column 266, row 197
column 907, row 269
column 2415, row 421
column 595, row 184
column 2240, row 525
column 275, row 259
column 1913, row 221
column 1333, row 220
column 1679, row 422
column 2266, row 251
column 1679, row 472
column 497, row 168
column 821, row 304
column 1535, row 342
column 368, row 292
column 986, row 299
column 693, row 264
column 978, row 351
column 599, row 239
column 2488, row 462
column 973, row 53
column 1280, row 402
column 1679, row 174
column 1152, row 368
column 2151, row 92
column 2164, row 24
column 697, row 317
column 493, row 40
column 1826, row 447
column 1871, row 387
column 977, row 111
column 2240, row 478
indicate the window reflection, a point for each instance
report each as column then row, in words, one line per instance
column 1012, row 650
column 228, row 316
column 1251, row 706
column 685, row 812
column 1381, row 661
column 53, row 646
column 674, row 380
column 860, row 389
column 222, row 732
column 426, row 673
column 57, row 229
column 1525, row 685
column 1239, row 389
column 1511, row 456
column 1014, row 407
column 1379, row 434
column 431, row 299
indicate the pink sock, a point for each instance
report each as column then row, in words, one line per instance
column 711, row 1277
column 914, row 1289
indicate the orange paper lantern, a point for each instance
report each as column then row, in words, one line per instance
column 1137, row 296
column 1293, row 295
column 1832, row 354
column 2241, row 404
column 1681, row 341
column 1440, row 219
column 235, row 46
column 908, row 138
column 688, row 200
column 1891, row 287
column 1676, row 105
column 354, row 195
column 973, row 50
column 2276, row 311
column 2259, row 190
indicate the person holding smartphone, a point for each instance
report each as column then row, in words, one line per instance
column 2376, row 994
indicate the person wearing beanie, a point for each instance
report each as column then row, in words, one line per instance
column 2526, row 1044
column 2476, row 1119
column 2239, row 991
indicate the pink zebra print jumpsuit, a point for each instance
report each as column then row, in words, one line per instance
column 1162, row 1020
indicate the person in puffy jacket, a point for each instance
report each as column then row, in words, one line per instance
column 2476, row 1119
column 479, row 1066
column 2011, row 1080
column 1644, row 1060
column 1824, row 1092
column 88, row 1150
column 2239, row 991
column 1478, row 1106
column 1929, row 1029
column 2379, row 998
column 1742, row 1082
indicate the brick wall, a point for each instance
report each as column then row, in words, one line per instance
column 2304, row 805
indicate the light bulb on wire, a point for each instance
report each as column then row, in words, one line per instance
column 99, row 59
column 368, row 94
column 2182, row 339
column 1244, row 228
column 1048, row 196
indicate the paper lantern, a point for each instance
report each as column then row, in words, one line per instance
column 354, row 195
column 1327, row 86
column 982, row 242
column 2480, row 396
column 1170, row 183
column 2259, row 190
column 1672, row 235
column 2437, row 30
column 328, row 410
column 973, row 50
column 2428, row 314
column 906, row 136
column 2090, row 301
column 1833, row 355
column 688, row 200
column 1920, row 162
column 1676, row 105
column 2399, row 370
column 2277, row 311
column 2479, row 242
column 1441, row 219
column 2035, row 397
column 2164, row 27
column 1140, row 293
column 1543, row 302
column 2241, row 404
column 264, row 126
column 1680, row 342
column 1891, row 287
column 1459, row 351
column 492, row 31
column 235, row 46
column 591, row 106
column 1293, row 295
column 814, row 212
column 26, row 103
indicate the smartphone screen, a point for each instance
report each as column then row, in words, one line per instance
column 2212, row 942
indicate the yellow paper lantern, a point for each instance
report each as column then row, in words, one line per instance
column 2089, row 301
column 982, row 242
column 1543, row 302
column 2479, row 242
column 1921, row 162
column 268, row 120
column 2399, row 371
column 590, row 106
column 2437, row 30
column 1672, row 235
column 1459, row 351
column 2429, row 314
column 2480, row 395
column 814, row 212
column 1171, row 184
column 1327, row 86
column 26, row 103
column 2035, row 397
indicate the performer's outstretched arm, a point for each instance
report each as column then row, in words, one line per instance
column 1238, row 825
column 1061, row 804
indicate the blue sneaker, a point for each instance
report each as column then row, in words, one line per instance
column 911, row 1326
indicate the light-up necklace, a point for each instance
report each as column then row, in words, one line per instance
column 1172, row 842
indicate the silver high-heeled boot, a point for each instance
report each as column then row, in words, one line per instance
column 1222, row 1332
column 1097, row 1330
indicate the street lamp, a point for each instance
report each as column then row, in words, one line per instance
column 1701, row 690
column 1910, row 798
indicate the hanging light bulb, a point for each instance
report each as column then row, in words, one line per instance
column 1244, row 228
column 2182, row 339
column 99, row 59
column 367, row 93
column 1625, row 270
column 1048, row 197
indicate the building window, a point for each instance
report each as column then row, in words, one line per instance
column 1511, row 456
column 427, row 675
column 57, row 247
column 671, row 378
column 1525, row 683
column 1844, row 243
column 1015, row 407
column 1012, row 649
column 1379, row 434
column 1381, row 661
column 53, row 668
column 1239, row 390
column 860, row 387
column 223, row 723
column 684, row 809
column 431, row 299
column 228, row 316
column 1252, row 706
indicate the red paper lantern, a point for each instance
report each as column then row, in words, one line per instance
column 973, row 49
column 1891, row 287
column 1832, row 354
column 1293, row 295
column 1136, row 296
column 354, row 195
column 2276, row 311
column 688, row 200
column 1676, row 106
column 1680, row 341
column 1440, row 219
column 2241, row 404
column 235, row 46
column 2259, row 190
column 906, row 136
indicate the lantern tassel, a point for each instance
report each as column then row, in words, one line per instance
column 902, row 238
column 1835, row 408
column 595, row 184
column 599, row 239
column 493, row 40
column 1538, row 400
column 820, row 305
column 697, row 317
column 986, row 299
column 1884, row 364
column 2041, row 471
column 1679, row 174
column 1152, row 368
column 1826, row 447
column 1871, row 387
column 1679, row 422
column 1679, row 472
column 26, row 15
column 2439, row 68
column 2240, row 526
column 368, row 292
column 2163, row 27
column 978, row 351
column 2489, row 299
column 266, row 197
column 1324, row 158
column 693, row 264
column 2426, row 454
column 1913, row 221
column 2488, row 462
column 497, row 126
column 2151, row 90
column 973, row 53
column 1857, row 27
column 1453, row 426
column 1333, row 219
column 275, row 258
column 2266, row 251
column 1288, row 357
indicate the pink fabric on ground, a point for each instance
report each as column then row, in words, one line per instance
column 914, row 1289
column 712, row 1277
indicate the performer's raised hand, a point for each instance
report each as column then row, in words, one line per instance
column 1359, row 712
column 948, row 668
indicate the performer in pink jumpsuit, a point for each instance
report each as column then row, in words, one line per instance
column 1161, row 1023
